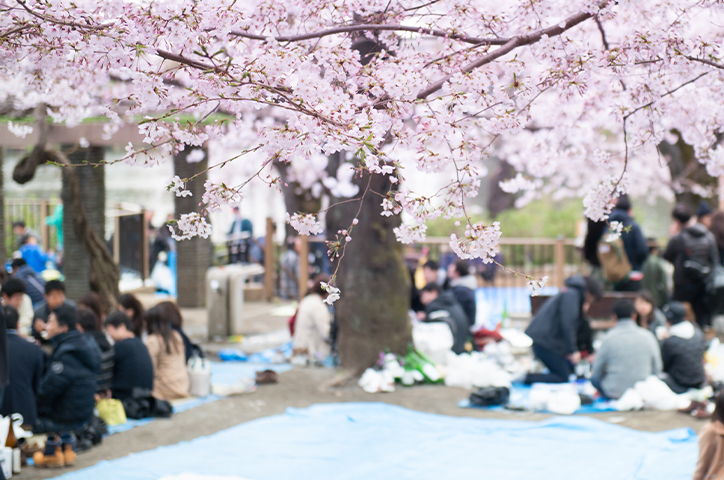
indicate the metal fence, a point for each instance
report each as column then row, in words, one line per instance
column 33, row 212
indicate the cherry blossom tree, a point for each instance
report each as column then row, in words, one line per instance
column 575, row 95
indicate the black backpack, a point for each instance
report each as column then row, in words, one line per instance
column 697, row 262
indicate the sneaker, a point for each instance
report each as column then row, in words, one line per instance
column 68, row 442
column 266, row 376
column 52, row 456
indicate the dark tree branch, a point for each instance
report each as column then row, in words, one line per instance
column 373, row 28
column 706, row 62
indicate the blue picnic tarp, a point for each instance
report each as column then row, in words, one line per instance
column 361, row 441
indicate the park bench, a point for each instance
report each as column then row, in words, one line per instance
column 600, row 311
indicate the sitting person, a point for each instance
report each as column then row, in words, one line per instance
column 129, row 304
column 628, row 354
column 25, row 370
column 171, row 312
column 92, row 301
column 133, row 367
column 682, row 353
column 463, row 286
column 166, row 348
column 555, row 329
column 711, row 445
column 14, row 295
column 649, row 316
column 67, row 389
column 88, row 325
column 54, row 298
column 442, row 307
column 313, row 323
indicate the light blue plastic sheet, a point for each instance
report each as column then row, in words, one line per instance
column 221, row 374
column 363, row 441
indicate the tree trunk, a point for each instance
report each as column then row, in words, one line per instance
column 296, row 199
column 193, row 257
column 3, row 244
column 91, row 183
column 373, row 308
column 686, row 169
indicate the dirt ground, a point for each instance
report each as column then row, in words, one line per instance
column 302, row 387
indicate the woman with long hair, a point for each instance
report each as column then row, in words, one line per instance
column 92, row 301
column 648, row 316
column 313, row 323
column 129, row 304
column 171, row 311
column 711, row 445
column 164, row 344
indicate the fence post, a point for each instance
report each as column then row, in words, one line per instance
column 560, row 260
column 303, row 265
column 269, row 260
column 44, row 230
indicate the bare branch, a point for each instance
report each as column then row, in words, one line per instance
column 374, row 28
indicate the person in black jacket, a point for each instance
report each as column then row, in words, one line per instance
column 25, row 372
column 442, row 307
column 682, row 353
column 67, row 389
column 634, row 244
column 463, row 285
column 133, row 366
column 692, row 250
column 88, row 326
column 556, row 327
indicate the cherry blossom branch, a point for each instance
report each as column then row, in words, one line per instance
column 372, row 28
column 706, row 62
column 510, row 45
column 50, row 19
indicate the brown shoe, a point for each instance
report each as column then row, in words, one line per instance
column 266, row 376
column 68, row 441
column 52, row 456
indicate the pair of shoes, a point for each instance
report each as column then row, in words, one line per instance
column 266, row 376
column 58, row 452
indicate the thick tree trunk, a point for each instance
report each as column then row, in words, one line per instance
column 296, row 199
column 373, row 309
column 3, row 244
column 686, row 169
column 193, row 257
column 91, row 183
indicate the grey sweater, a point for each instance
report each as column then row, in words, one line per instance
column 627, row 355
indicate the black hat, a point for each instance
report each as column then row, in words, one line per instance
column 675, row 312
column 704, row 209
column 624, row 203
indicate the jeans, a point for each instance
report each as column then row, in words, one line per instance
column 46, row 425
column 560, row 368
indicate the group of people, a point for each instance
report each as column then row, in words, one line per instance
column 695, row 247
column 72, row 354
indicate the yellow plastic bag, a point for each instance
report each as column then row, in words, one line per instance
column 111, row 411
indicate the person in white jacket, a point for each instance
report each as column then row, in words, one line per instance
column 313, row 323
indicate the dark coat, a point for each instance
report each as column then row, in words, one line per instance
column 590, row 244
column 676, row 254
column 683, row 359
column 67, row 390
column 446, row 309
column 466, row 299
column 105, row 376
column 4, row 357
column 133, row 368
column 557, row 323
column 26, row 370
column 634, row 242
column 34, row 284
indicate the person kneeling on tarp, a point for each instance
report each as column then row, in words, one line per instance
column 682, row 353
column 555, row 329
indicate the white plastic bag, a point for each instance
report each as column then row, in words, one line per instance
column 199, row 370
column 434, row 340
column 656, row 395
column 629, row 401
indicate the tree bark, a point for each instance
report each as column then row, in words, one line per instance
column 685, row 168
column 76, row 258
column 3, row 243
column 193, row 257
column 373, row 308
